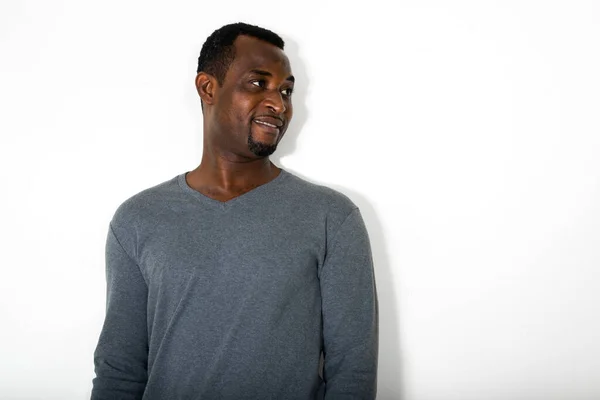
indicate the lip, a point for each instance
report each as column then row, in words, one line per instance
column 278, row 122
column 267, row 128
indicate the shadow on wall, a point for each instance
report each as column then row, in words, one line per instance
column 389, row 382
column 288, row 143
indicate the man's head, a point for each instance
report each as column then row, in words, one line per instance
column 245, row 82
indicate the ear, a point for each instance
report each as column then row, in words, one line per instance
column 206, row 85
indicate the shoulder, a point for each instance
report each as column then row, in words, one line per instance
column 321, row 199
column 145, row 203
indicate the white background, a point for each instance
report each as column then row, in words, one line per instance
column 467, row 133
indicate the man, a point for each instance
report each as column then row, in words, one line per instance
column 232, row 280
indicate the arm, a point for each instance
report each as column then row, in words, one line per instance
column 121, row 355
column 350, row 313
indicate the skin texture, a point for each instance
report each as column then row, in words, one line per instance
column 257, row 87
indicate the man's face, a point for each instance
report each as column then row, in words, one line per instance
column 254, row 106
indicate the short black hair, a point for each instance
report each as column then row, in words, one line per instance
column 218, row 52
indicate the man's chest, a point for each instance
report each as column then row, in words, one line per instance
column 232, row 252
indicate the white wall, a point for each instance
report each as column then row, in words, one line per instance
column 467, row 132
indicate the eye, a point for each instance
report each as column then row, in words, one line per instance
column 287, row 92
column 258, row 82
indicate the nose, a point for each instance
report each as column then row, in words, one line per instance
column 275, row 102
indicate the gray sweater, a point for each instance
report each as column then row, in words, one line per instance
column 237, row 300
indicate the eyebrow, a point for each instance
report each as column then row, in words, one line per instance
column 265, row 73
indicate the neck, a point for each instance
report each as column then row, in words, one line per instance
column 226, row 171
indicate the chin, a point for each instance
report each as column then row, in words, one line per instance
column 261, row 149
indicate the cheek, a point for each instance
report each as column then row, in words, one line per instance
column 234, row 116
column 234, row 106
column 243, row 104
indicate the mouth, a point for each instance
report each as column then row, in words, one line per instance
column 267, row 126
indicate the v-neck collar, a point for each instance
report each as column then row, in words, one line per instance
column 209, row 201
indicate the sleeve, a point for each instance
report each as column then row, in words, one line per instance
column 350, row 313
column 121, row 356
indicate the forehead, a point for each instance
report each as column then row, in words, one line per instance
column 252, row 53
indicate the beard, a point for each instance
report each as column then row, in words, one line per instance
column 260, row 149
